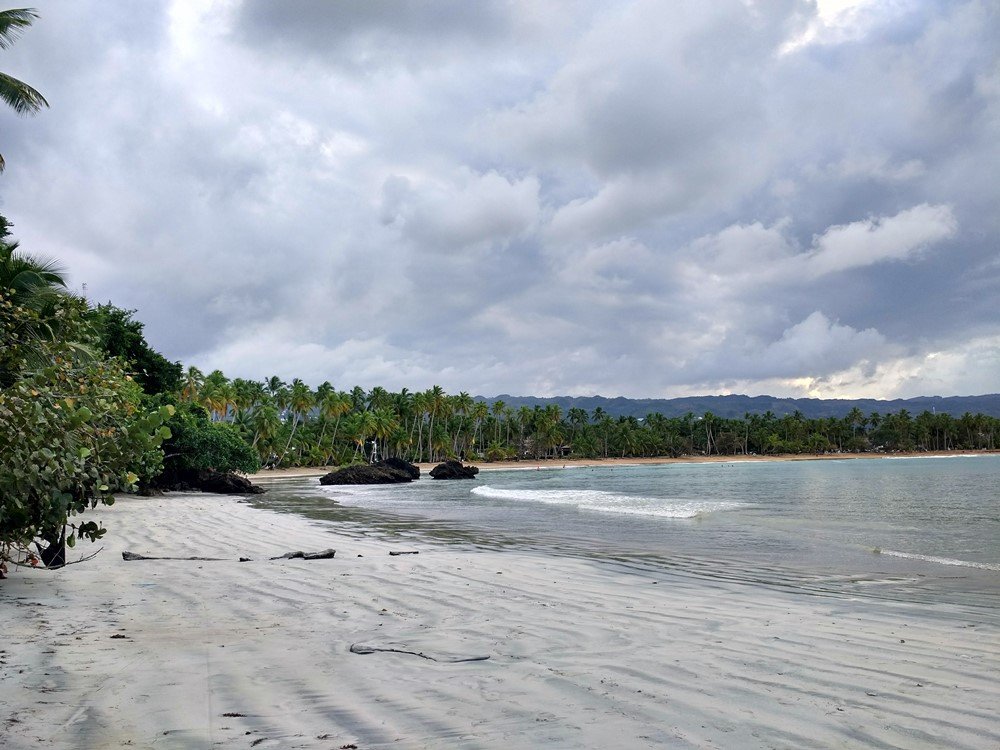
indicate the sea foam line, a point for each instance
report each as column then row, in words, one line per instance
column 939, row 560
column 608, row 502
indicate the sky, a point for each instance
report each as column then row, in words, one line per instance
column 631, row 198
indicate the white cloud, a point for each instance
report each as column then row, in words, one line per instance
column 864, row 243
column 817, row 345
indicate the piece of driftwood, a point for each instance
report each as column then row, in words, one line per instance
column 321, row 555
column 361, row 648
column 326, row 554
column 130, row 556
column 394, row 553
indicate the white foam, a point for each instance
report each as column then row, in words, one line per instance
column 609, row 502
column 939, row 560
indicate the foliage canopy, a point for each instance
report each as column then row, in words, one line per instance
column 197, row 444
column 72, row 430
column 120, row 335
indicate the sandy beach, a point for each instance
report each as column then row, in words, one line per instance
column 564, row 463
column 581, row 654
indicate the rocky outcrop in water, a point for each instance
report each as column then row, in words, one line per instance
column 401, row 465
column 379, row 473
column 454, row 470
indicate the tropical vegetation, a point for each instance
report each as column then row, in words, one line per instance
column 73, row 426
column 18, row 95
column 289, row 424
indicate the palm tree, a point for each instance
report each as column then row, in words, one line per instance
column 362, row 425
column 334, row 406
column 21, row 97
column 277, row 389
column 300, row 401
column 33, row 284
column 480, row 412
column 30, row 280
column 265, row 423
column 420, row 409
column 498, row 409
column 461, row 405
column 383, row 425
column 191, row 383
column 436, row 404
column 378, row 398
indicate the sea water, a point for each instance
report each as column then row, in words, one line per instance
column 911, row 528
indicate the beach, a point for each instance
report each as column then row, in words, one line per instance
column 581, row 653
column 563, row 463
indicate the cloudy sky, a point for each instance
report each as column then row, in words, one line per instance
column 511, row 196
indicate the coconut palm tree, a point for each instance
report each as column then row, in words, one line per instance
column 30, row 280
column 436, row 404
column 362, row 425
column 266, row 423
column 191, row 383
column 419, row 405
column 498, row 409
column 300, row 401
column 384, row 424
column 333, row 406
column 21, row 97
column 480, row 413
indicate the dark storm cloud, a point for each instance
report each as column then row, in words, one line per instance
column 373, row 33
column 633, row 197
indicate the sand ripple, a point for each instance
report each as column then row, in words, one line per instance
column 582, row 653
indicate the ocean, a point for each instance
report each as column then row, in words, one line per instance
column 909, row 529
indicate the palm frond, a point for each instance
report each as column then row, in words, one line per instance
column 13, row 22
column 21, row 97
column 30, row 276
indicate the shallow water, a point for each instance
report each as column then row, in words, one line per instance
column 915, row 529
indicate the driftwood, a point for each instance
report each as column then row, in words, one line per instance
column 326, row 554
column 360, row 648
column 130, row 556
column 394, row 553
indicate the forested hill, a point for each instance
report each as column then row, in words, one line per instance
column 736, row 406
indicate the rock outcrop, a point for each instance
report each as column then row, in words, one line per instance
column 454, row 470
column 209, row 480
column 401, row 465
column 361, row 474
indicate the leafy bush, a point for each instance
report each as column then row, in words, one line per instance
column 72, row 431
column 197, row 444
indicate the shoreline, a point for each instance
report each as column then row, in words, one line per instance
column 569, row 463
column 223, row 653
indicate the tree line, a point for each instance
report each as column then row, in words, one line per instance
column 291, row 424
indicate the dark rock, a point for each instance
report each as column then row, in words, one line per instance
column 226, row 483
column 454, row 470
column 208, row 480
column 361, row 474
column 400, row 465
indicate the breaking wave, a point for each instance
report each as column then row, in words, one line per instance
column 939, row 560
column 609, row 502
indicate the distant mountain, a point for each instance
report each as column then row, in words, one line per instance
column 737, row 406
